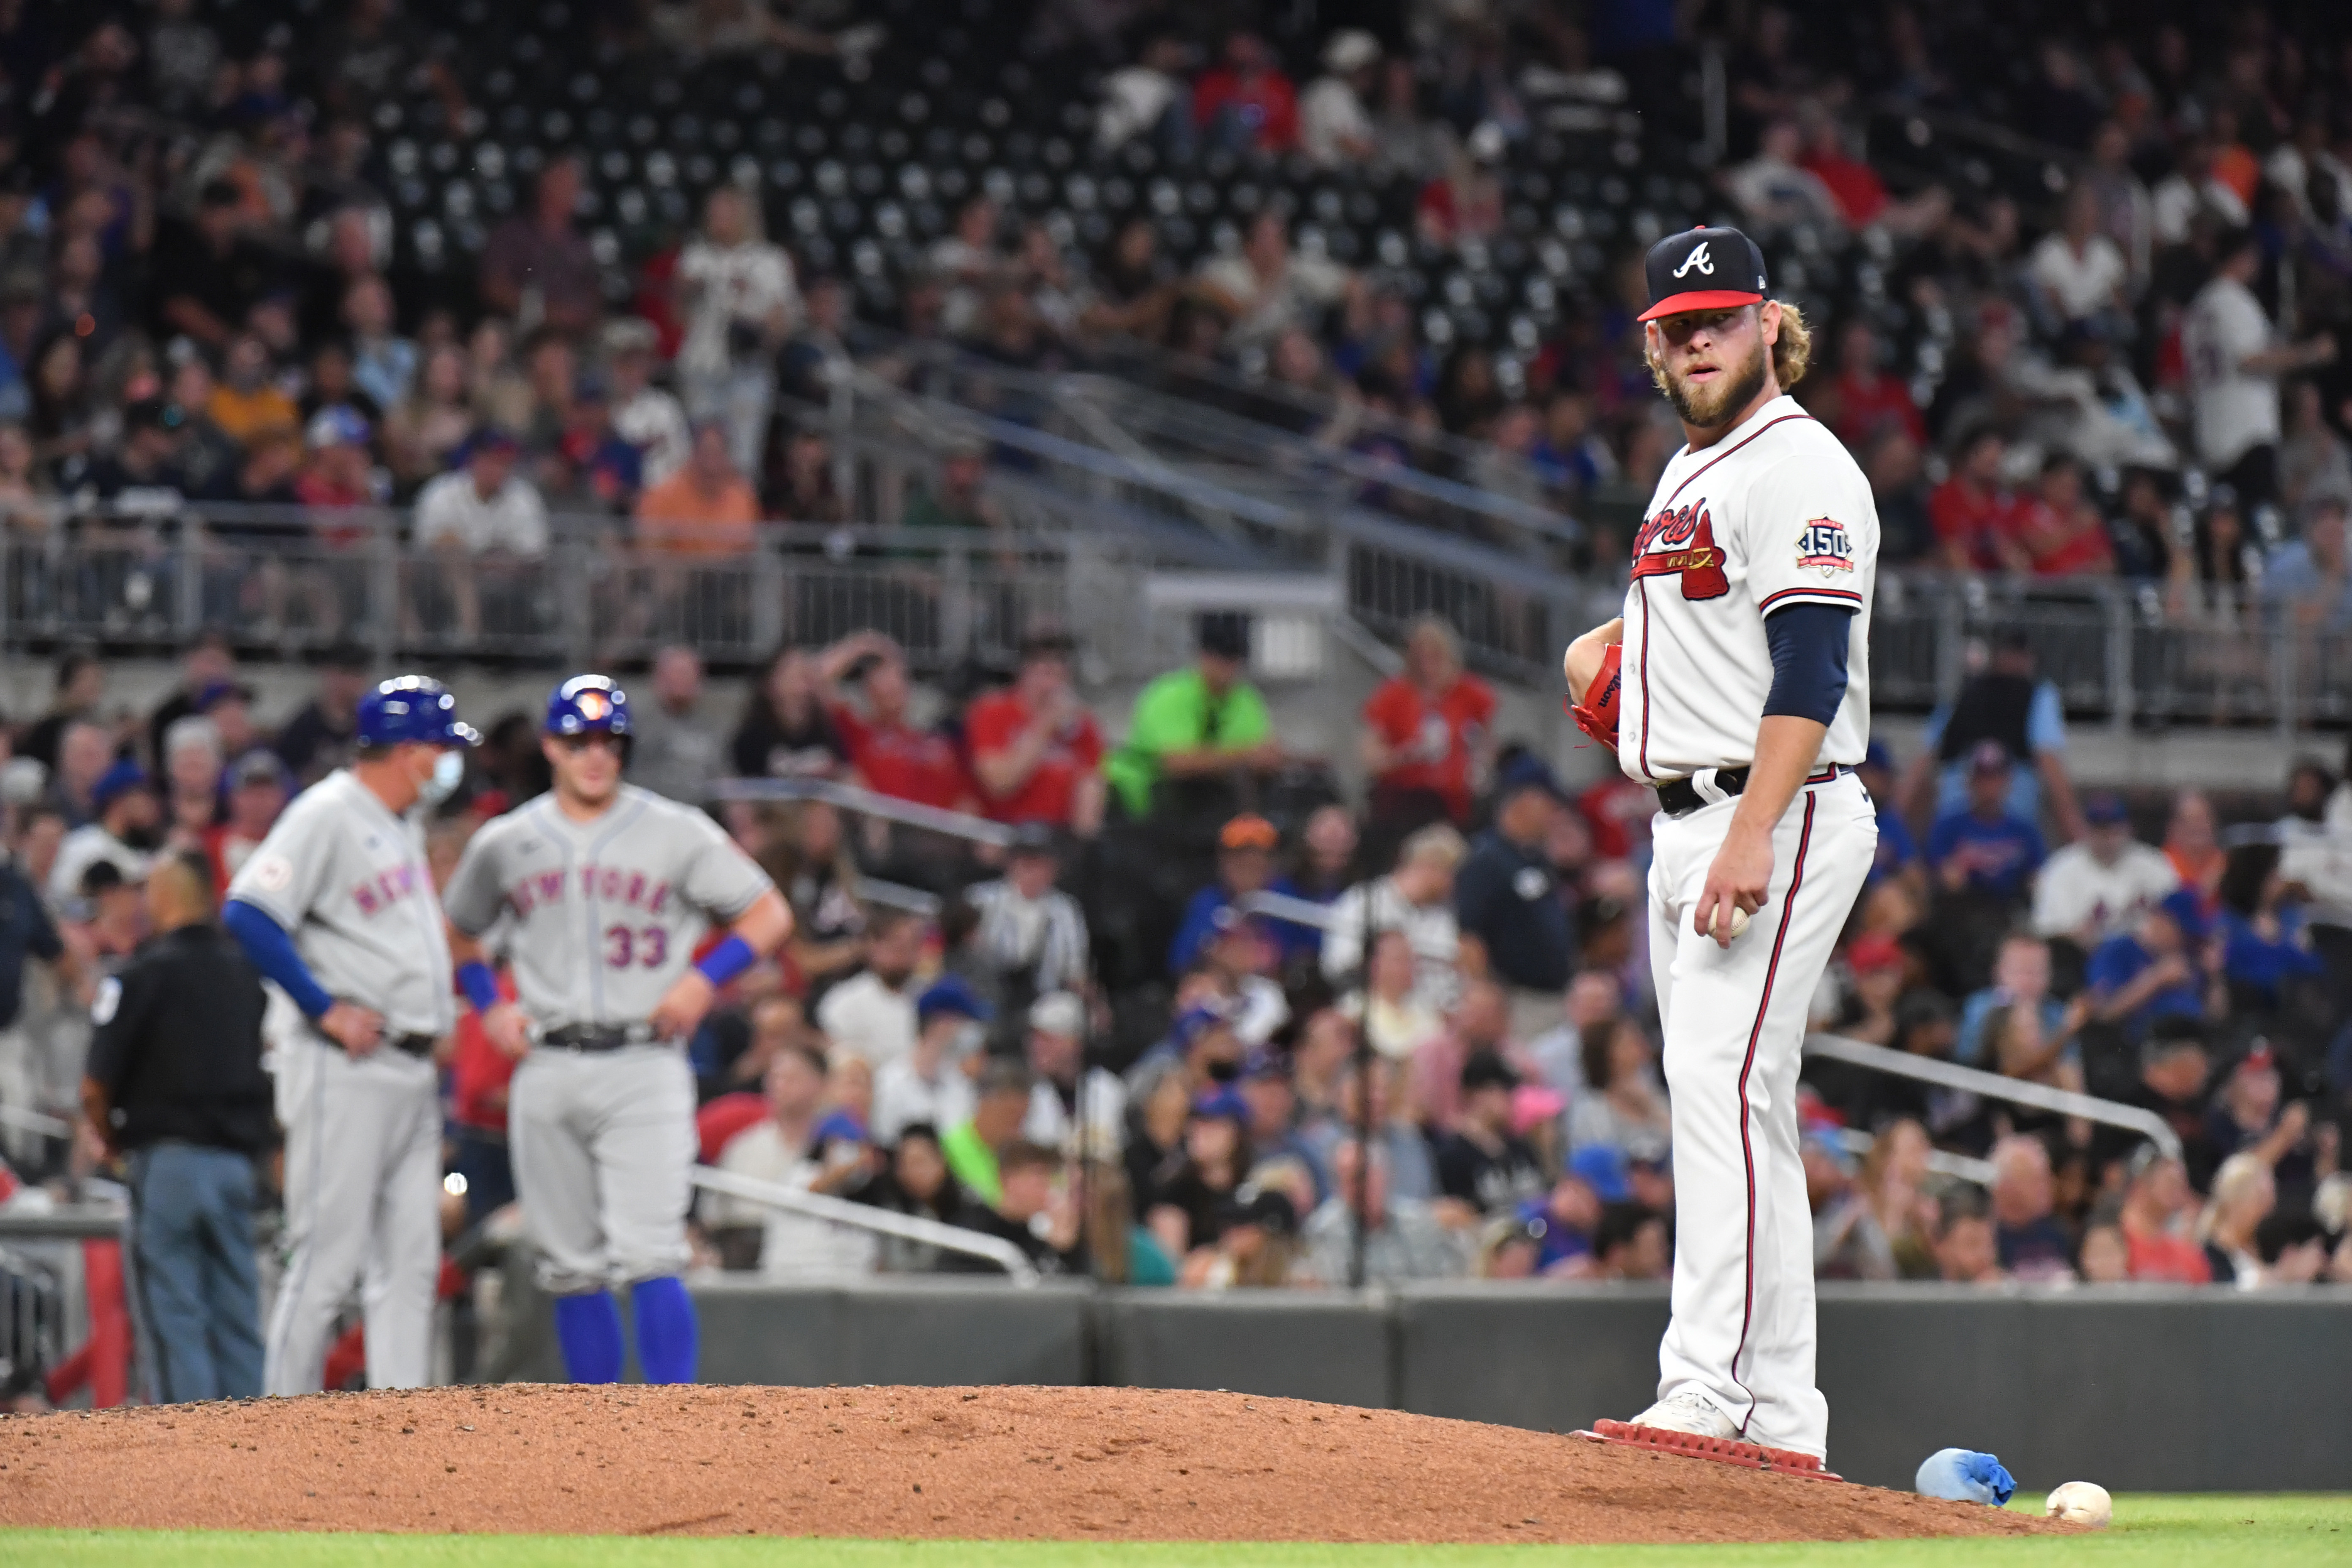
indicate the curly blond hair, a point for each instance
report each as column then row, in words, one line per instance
column 1792, row 353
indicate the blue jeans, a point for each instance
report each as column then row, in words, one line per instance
column 193, row 1229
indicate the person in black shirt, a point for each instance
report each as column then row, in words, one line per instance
column 208, row 275
column 1026, row 1173
column 318, row 740
column 174, row 1082
column 1482, row 1161
column 785, row 732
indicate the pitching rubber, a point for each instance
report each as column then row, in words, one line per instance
column 1722, row 1450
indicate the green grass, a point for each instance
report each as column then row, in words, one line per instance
column 2151, row 1531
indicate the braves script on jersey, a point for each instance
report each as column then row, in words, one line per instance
column 1775, row 514
column 349, row 881
column 606, row 913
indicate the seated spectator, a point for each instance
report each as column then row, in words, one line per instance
column 872, row 1013
column 1404, row 1238
column 1035, row 747
column 2062, row 534
column 1631, row 1243
column 673, row 750
column 193, row 765
column 2244, row 1195
column 1024, row 1178
column 1878, row 968
column 2247, row 1118
column 245, row 403
column 1336, row 128
column 785, row 732
column 931, row 1083
column 1561, row 1225
column 2106, row 1256
column 888, row 754
column 1256, row 1245
column 2020, row 979
column 1481, row 1161
column 648, row 417
column 2157, row 1204
column 259, row 789
column 1865, row 399
column 788, row 1146
column 2310, row 579
column 1245, row 864
column 1464, row 203
column 481, row 519
column 2027, row 1236
column 957, row 500
column 1078, row 1109
column 1847, row 1242
column 1416, row 900
column 1967, row 1249
column 1972, row 512
column 1247, row 103
column 1775, row 193
column 210, row 273
column 2078, row 270
column 1986, row 850
column 1428, row 732
column 1201, row 1049
column 2192, row 842
column 1030, row 940
column 1506, row 896
column 1389, row 1005
column 1150, row 97
column 2315, row 462
column 124, row 834
column 706, row 508
column 2100, row 886
column 1572, row 456
column 541, row 250
column 916, row 1182
column 1186, row 1206
column 1622, row 1103
column 2151, row 972
column 1268, row 288
column 425, row 431
column 975, row 1147
column 1193, row 731
column 2266, row 953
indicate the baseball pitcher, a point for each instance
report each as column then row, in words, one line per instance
column 609, row 887
column 337, row 908
column 1737, row 684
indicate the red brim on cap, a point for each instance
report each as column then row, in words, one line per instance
column 1705, row 299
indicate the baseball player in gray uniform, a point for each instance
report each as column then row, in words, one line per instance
column 608, row 889
column 336, row 907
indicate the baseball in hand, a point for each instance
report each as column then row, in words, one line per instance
column 1738, row 922
column 2082, row 1502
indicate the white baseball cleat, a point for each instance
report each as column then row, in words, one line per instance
column 1688, row 1410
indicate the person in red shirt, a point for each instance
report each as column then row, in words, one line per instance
column 1036, row 753
column 1247, row 102
column 1865, row 401
column 2061, row 532
column 1974, row 518
column 1428, row 732
column 888, row 754
column 258, row 785
column 2157, row 1194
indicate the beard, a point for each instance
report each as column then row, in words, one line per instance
column 1704, row 408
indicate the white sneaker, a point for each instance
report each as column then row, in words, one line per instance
column 1689, row 1411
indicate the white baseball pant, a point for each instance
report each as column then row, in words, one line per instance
column 1735, row 1026
column 603, row 1144
column 363, row 1211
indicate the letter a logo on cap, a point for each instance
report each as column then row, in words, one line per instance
column 1698, row 258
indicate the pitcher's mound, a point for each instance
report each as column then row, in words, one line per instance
column 1037, row 1463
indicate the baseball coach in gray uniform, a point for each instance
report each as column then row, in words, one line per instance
column 337, row 908
column 608, row 890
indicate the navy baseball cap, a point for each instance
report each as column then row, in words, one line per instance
column 116, row 782
column 951, row 993
column 2104, row 809
column 1702, row 269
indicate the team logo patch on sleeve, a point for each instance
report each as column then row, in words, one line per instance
column 1824, row 547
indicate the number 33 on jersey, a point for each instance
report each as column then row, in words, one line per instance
column 1775, row 514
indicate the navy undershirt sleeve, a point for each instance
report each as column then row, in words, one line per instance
column 1809, row 647
column 271, row 951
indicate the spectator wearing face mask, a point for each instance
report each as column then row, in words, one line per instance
column 126, row 834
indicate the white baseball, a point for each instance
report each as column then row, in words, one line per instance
column 2082, row 1502
column 1738, row 922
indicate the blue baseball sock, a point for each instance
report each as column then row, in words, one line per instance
column 588, row 1329
column 668, row 1342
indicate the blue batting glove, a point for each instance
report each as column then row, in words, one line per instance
column 1963, row 1474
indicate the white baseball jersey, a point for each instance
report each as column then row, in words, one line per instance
column 350, row 883
column 606, row 913
column 1775, row 514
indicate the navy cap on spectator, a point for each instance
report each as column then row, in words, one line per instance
column 1224, row 633
column 1264, row 1207
column 1486, row 1070
column 219, row 692
column 115, row 783
column 2104, row 808
column 1527, row 771
column 949, row 993
column 1192, row 1023
column 1989, row 757
column 1215, row 1103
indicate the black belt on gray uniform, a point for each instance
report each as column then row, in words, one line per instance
column 1680, row 797
column 411, row 1045
column 598, row 1037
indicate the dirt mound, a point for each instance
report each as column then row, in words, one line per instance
column 997, row 1463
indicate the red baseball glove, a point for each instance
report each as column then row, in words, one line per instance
column 1597, row 714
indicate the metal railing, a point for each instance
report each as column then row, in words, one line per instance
column 879, row 1222
column 1993, row 1086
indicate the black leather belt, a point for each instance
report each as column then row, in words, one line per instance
column 407, row 1044
column 592, row 1037
column 1680, row 797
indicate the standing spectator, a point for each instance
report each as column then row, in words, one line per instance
column 2031, row 1242
column 175, row 1081
column 889, row 753
column 931, row 1084
column 1506, row 896
column 1035, row 747
column 319, row 738
column 1032, row 937
column 1416, row 899
column 1404, row 1238
column 648, row 419
column 1072, row 1102
column 736, row 293
column 2233, row 369
column 2080, row 271
column 785, row 730
column 486, row 526
column 706, row 508
column 673, row 750
column 1148, row 96
column 1336, row 129
column 1428, row 734
column 872, row 1013
column 1247, row 103
column 2007, row 703
column 536, row 269
column 2156, row 1209
column 212, row 274
column 1482, row 1161
column 1195, row 732
column 2100, row 885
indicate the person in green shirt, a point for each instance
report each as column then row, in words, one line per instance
column 1197, row 723
column 972, row 1147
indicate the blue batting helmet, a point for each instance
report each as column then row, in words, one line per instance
column 587, row 702
column 413, row 708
